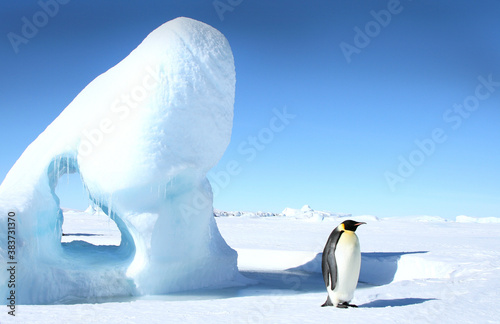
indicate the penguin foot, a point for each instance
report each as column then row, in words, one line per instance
column 328, row 302
column 346, row 304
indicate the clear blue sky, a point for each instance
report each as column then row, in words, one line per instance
column 363, row 85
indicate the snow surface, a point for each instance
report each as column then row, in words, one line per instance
column 142, row 136
column 412, row 271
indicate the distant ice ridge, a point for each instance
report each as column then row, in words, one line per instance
column 306, row 212
column 142, row 136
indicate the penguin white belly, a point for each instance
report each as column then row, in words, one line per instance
column 348, row 259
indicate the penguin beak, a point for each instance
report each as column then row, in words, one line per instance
column 360, row 223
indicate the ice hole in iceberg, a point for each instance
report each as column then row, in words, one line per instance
column 142, row 136
column 83, row 220
column 71, row 192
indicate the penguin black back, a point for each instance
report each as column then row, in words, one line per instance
column 328, row 267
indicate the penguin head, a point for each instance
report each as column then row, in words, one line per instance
column 350, row 225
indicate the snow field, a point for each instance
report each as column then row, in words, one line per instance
column 413, row 271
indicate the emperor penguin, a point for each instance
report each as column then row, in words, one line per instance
column 341, row 263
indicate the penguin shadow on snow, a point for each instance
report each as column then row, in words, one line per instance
column 382, row 303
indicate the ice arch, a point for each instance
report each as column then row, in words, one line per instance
column 142, row 135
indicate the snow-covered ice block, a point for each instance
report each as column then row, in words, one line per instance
column 142, row 136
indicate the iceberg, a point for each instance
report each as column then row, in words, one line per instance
column 142, row 136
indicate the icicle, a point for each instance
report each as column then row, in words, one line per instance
column 67, row 169
column 58, row 167
column 37, row 237
column 110, row 206
column 54, row 174
column 96, row 201
column 86, row 191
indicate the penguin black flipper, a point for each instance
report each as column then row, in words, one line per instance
column 325, row 268
column 328, row 264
